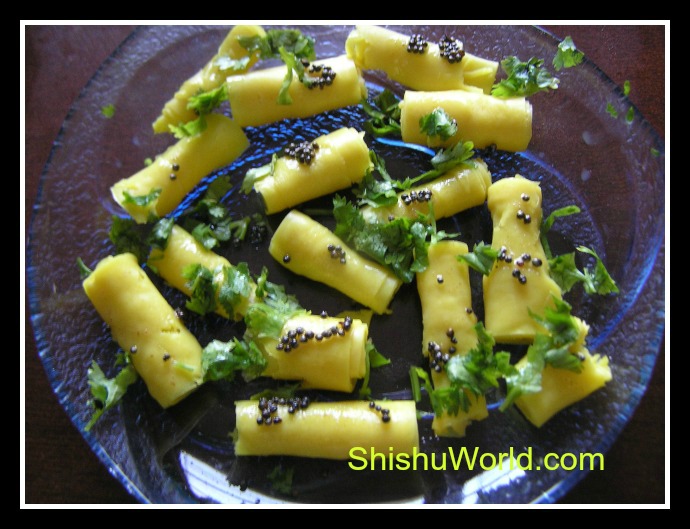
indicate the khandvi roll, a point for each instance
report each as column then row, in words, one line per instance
column 461, row 188
column 322, row 353
column 311, row 250
column 253, row 96
column 448, row 326
column 418, row 64
column 560, row 388
column 159, row 188
column 313, row 169
column 164, row 353
column 211, row 76
column 184, row 251
column 328, row 430
column 482, row 119
column 519, row 281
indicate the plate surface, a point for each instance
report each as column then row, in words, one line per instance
column 578, row 153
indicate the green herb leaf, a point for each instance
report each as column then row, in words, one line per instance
column 191, row 128
column 567, row 55
column 481, row 258
column 221, row 360
column 207, row 102
column 611, row 110
column 281, row 479
column 225, row 63
column 129, row 237
column 84, row 271
column 384, row 114
column 269, row 45
column 200, row 282
column 547, row 224
column 438, row 123
column 373, row 359
column 564, row 271
column 399, row 244
column 141, row 200
column 259, row 173
column 160, row 233
column 630, row 115
column 107, row 392
column 108, row 111
column 524, row 78
column 236, row 287
column 626, row 88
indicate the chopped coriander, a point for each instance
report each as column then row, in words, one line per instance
column 191, row 128
column 107, row 392
column 148, row 161
column 655, row 152
column 84, row 271
column 206, row 102
column 438, row 123
column 373, row 359
column 547, row 223
column 481, row 258
column 221, row 360
column 564, row 271
column 259, row 173
column 524, row 78
column 384, row 114
column 235, row 288
column 108, row 110
column 200, row 282
column 626, row 88
column 630, row 115
column 611, row 110
column 281, row 479
column 567, row 55
column 141, row 200
column 129, row 237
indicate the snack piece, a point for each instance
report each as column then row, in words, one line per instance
column 311, row 250
column 461, row 188
column 159, row 188
column 448, row 322
column 313, row 169
column 254, row 96
column 209, row 77
column 323, row 353
column 184, row 250
column 377, row 48
column 327, row 430
column 519, row 281
column 482, row 119
column 164, row 353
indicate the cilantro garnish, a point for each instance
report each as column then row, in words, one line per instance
column 567, row 55
column 384, row 114
column 438, row 123
column 524, row 78
column 373, row 359
column 108, row 110
column 221, row 360
column 281, row 479
column 107, row 392
column 481, row 258
column 200, row 282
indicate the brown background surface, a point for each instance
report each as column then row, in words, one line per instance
column 60, row 467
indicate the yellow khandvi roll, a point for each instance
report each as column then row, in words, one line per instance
column 482, row 119
column 179, row 169
column 164, row 353
column 328, row 430
column 184, row 250
column 337, row 161
column 253, row 96
column 448, row 326
column 461, row 188
column 377, row 48
column 560, row 387
column 311, row 250
column 209, row 77
column 520, row 280
column 323, row 353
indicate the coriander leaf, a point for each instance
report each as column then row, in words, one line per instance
column 399, row 244
column 259, row 173
column 626, row 88
column 598, row 281
column 373, row 359
column 286, row 392
column 630, row 115
column 438, row 123
column 384, row 114
column 481, row 258
column 148, row 161
column 221, row 360
column 108, row 110
column 236, row 286
column 655, row 152
column 205, row 236
column 611, row 110
column 141, row 200
column 207, row 102
column 107, row 392
column 84, row 271
column 547, row 224
column 224, row 63
column 379, row 192
column 129, row 237
column 200, row 282
column 281, row 479
column 564, row 271
column 567, row 55
column 160, row 233
column 444, row 400
column 524, row 78
column 527, row 379
column 446, row 159
column 269, row 45
column 191, row 128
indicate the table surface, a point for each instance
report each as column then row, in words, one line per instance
column 60, row 468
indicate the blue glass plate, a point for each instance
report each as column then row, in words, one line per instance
column 184, row 455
